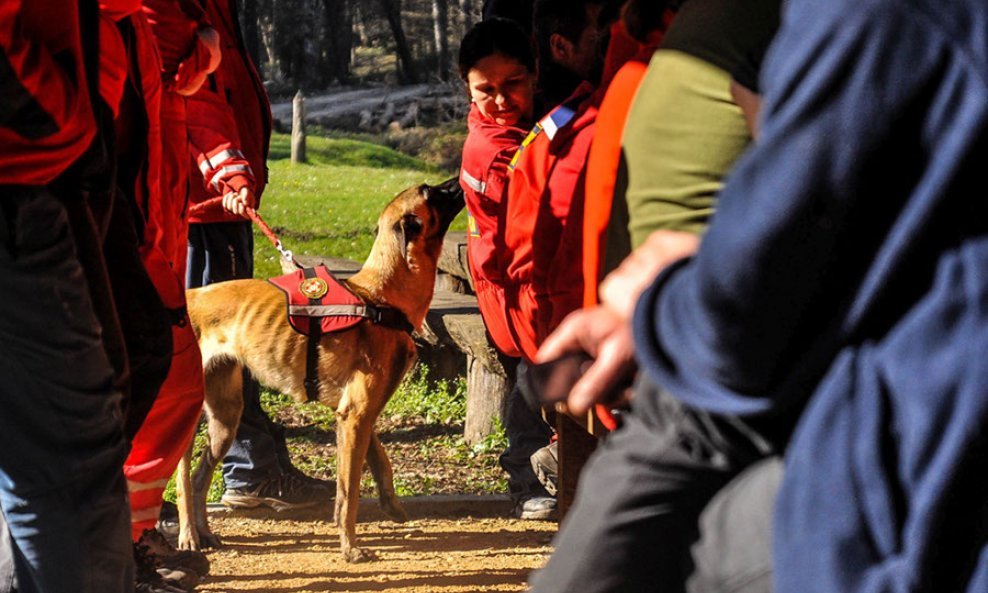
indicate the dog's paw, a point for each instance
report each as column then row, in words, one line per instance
column 187, row 542
column 209, row 540
column 394, row 511
column 357, row 555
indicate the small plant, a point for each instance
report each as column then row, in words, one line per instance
column 440, row 401
column 495, row 442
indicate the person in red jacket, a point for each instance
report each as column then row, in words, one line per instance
column 62, row 445
column 176, row 50
column 229, row 129
column 161, row 426
column 497, row 64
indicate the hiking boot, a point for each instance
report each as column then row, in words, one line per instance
column 288, row 492
column 329, row 485
column 166, row 556
column 182, row 579
column 536, row 508
column 146, row 577
column 545, row 464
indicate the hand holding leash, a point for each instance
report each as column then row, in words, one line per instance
column 238, row 202
column 245, row 199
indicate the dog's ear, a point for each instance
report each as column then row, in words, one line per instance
column 446, row 199
column 409, row 228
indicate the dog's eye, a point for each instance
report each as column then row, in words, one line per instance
column 412, row 225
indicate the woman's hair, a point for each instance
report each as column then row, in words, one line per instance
column 495, row 36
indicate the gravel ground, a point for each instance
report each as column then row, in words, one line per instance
column 434, row 555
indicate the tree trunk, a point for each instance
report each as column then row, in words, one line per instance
column 252, row 36
column 440, row 19
column 466, row 9
column 337, row 40
column 392, row 9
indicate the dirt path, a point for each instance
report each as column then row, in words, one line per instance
column 422, row 556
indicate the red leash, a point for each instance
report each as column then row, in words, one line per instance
column 256, row 219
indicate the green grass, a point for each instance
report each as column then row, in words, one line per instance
column 346, row 152
column 329, row 206
column 435, row 403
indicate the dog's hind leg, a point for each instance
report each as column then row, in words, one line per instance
column 224, row 405
column 380, row 467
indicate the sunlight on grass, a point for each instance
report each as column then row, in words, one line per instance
column 434, row 402
column 330, row 207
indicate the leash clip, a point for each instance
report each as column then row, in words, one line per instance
column 286, row 254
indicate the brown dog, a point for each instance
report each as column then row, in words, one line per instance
column 244, row 324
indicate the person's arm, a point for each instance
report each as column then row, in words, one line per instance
column 215, row 145
column 753, row 321
column 604, row 331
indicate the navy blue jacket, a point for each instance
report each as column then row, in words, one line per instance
column 846, row 270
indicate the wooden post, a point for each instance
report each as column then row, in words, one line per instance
column 298, row 128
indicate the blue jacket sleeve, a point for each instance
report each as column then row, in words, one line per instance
column 813, row 218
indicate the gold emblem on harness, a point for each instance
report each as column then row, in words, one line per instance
column 313, row 288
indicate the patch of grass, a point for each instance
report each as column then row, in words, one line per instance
column 344, row 151
column 434, row 402
column 330, row 208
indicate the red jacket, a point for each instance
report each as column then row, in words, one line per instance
column 46, row 119
column 546, row 193
column 229, row 121
column 483, row 176
column 543, row 269
column 189, row 51
column 185, row 42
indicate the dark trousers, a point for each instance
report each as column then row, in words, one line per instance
column 62, row 446
column 219, row 252
column 734, row 553
column 636, row 511
column 136, row 326
column 527, row 432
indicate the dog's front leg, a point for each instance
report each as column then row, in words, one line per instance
column 354, row 427
column 188, row 534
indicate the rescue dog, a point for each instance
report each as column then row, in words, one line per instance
column 244, row 324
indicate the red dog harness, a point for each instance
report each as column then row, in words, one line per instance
column 319, row 304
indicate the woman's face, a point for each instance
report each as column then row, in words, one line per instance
column 502, row 88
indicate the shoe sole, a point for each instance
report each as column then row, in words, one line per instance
column 538, row 515
column 545, row 480
column 252, row 502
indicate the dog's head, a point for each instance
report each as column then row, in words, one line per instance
column 418, row 219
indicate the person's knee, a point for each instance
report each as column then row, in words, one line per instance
column 734, row 553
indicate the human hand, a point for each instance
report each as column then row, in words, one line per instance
column 622, row 287
column 237, row 202
column 606, row 337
